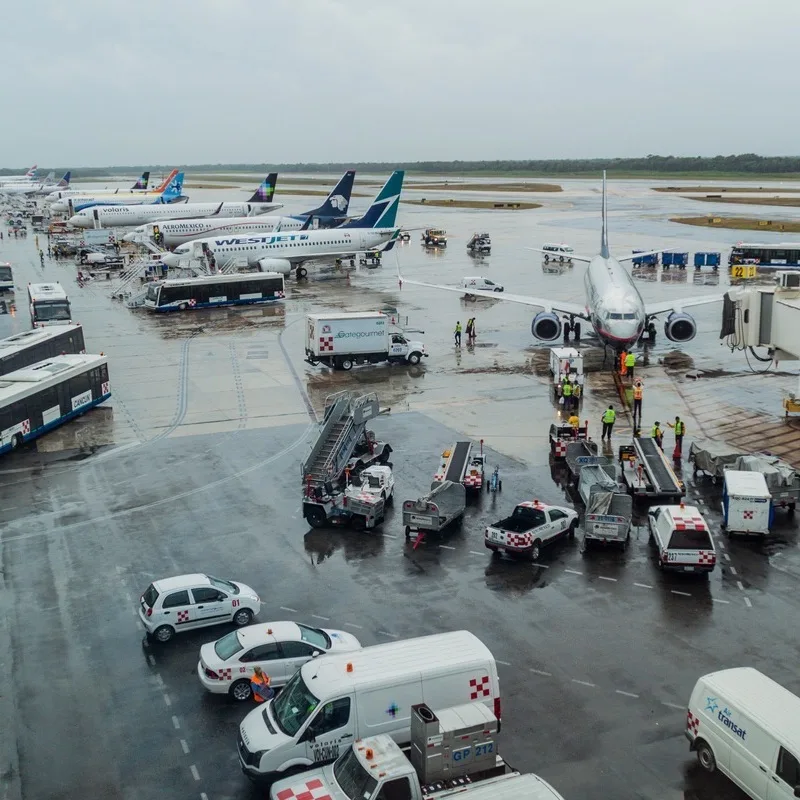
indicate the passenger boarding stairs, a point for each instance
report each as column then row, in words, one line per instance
column 145, row 240
column 344, row 425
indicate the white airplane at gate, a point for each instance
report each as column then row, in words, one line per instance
column 30, row 175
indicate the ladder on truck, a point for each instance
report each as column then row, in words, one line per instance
column 649, row 473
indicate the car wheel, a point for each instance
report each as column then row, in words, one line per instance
column 315, row 517
column 182, row 307
column 536, row 550
column 240, row 690
column 163, row 633
column 705, row 756
column 572, row 528
column 16, row 441
column 346, row 364
column 242, row 617
column 413, row 359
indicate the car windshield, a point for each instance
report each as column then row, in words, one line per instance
column 534, row 516
column 228, row 646
column 315, row 637
column 352, row 778
column 150, row 595
column 226, row 586
column 294, row 705
column 51, row 310
column 690, row 540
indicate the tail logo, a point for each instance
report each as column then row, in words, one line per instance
column 338, row 202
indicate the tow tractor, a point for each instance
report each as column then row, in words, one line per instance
column 480, row 243
column 562, row 434
column 647, row 472
column 341, row 454
column 371, row 259
column 434, row 237
column 459, row 465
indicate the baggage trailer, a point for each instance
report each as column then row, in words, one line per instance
column 602, row 473
column 459, row 465
column 647, row 472
column 608, row 518
column 679, row 260
column 746, row 503
column 443, row 505
column 648, row 260
column 581, row 453
column 561, row 434
column 712, row 458
column 712, row 260
column 781, row 477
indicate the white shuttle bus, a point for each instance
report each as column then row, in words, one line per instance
column 49, row 304
column 6, row 277
column 210, row 291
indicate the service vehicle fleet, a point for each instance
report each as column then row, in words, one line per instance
column 531, row 526
column 339, row 698
column 341, row 340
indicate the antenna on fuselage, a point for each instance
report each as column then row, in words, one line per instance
column 604, row 234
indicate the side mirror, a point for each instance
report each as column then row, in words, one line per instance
column 315, row 654
column 309, row 736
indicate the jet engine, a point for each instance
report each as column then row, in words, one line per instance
column 281, row 265
column 546, row 326
column 680, row 327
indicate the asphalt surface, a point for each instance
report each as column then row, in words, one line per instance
column 195, row 466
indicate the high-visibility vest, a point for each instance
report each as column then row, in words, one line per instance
column 656, row 432
column 567, row 390
column 458, row 327
column 679, row 428
column 630, row 360
column 610, row 415
column 637, row 392
column 575, row 422
column 261, row 688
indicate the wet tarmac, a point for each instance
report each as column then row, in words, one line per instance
column 194, row 465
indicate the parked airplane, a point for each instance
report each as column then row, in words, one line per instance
column 173, row 233
column 117, row 197
column 279, row 252
column 613, row 306
column 168, row 192
column 32, row 188
column 127, row 216
column 141, row 184
column 30, row 175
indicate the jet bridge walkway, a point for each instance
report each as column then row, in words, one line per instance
column 647, row 472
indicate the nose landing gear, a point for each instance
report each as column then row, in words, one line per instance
column 571, row 325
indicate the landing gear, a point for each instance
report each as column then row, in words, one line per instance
column 649, row 331
column 573, row 326
column 301, row 272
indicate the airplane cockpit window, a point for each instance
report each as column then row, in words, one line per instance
column 629, row 316
column 615, row 315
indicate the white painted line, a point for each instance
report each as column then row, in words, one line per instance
column 446, row 547
column 353, row 625
column 727, row 557
column 152, row 659
column 643, row 585
column 721, row 544
column 627, row 694
column 747, row 602
column 176, row 723
column 682, row 594
column 290, row 610
column 673, row 705
column 185, row 746
column 504, row 663
column 195, row 773
column 584, row 683
column 203, row 796
column 159, row 680
column 319, row 616
column 739, row 584
column 543, row 566
column 390, row 535
column 604, row 578
column 167, row 700
column 732, row 570
column 573, row 572
column 717, row 600
column 475, row 553
column 542, row 672
column 386, row 633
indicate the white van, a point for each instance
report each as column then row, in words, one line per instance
column 557, row 252
column 682, row 538
column 338, row 698
column 744, row 724
column 482, row 284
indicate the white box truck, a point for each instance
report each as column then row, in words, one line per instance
column 332, row 701
column 342, row 340
column 744, row 724
column 746, row 503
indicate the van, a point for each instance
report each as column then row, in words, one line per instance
column 557, row 252
column 338, row 698
column 682, row 538
column 482, row 284
column 744, row 724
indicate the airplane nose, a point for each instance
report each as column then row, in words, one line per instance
column 170, row 259
column 129, row 237
column 78, row 221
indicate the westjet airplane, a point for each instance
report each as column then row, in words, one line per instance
column 332, row 212
column 126, row 216
column 279, row 252
column 168, row 192
column 613, row 306
column 33, row 188
column 30, row 175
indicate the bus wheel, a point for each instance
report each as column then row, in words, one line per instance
column 182, row 307
column 16, row 441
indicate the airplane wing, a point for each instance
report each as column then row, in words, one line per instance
column 539, row 302
column 585, row 259
column 662, row 307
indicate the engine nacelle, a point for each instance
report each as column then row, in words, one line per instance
column 680, row 327
column 546, row 326
column 281, row 265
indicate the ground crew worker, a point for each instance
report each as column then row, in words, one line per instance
column 575, row 423
column 680, row 429
column 259, row 684
column 638, row 392
column 457, row 333
column 566, row 392
column 623, row 363
column 630, row 363
column 657, row 434
column 41, row 258
column 609, row 418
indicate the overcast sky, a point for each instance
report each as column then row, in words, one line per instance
column 94, row 83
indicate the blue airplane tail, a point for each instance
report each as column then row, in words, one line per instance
column 64, row 182
column 172, row 191
column 338, row 201
column 266, row 190
column 142, row 182
column 383, row 211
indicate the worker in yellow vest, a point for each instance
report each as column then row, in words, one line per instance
column 566, row 393
column 630, row 363
column 680, row 429
column 657, row 434
column 608, row 419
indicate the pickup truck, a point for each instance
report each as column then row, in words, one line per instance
column 530, row 527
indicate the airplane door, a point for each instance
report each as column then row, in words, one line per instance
column 96, row 217
column 363, row 241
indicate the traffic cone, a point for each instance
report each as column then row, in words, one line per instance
column 676, row 454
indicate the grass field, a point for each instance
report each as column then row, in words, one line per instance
column 485, row 187
column 491, row 205
column 740, row 224
column 723, row 189
column 750, row 201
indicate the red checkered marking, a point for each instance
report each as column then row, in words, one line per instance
column 479, row 687
column 560, row 450
column 473, row 480
column 26, row 426
column 225, row 674
column 747, row 514
column 280, row 294
column 326, row 344
column 690, row 524
column 105, row 388
column 310, row 790
column 706, row 557
column 183, row 616
column 192, row 303
column 692, row 722
column 518, row 539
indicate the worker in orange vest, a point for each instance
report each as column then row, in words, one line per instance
column 623, row 369
column 259, row 684
column 638, row 392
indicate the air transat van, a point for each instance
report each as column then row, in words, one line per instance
column 335, row 699
column 744, row 724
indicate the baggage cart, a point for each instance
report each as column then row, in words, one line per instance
column 746, row 503
column 608, row 517
column 443, row 505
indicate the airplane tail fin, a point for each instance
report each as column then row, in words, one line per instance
column 142, row 182
column 51, row 176
column 167, row 181
column 266, row 190
column 172, row 191
column 604, row 234
column 64, row 182
column 31, row 173
column 383, row 211
column 338, row 201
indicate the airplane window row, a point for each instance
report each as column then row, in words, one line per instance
column 616, row 315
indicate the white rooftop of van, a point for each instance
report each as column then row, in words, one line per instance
column 760, row 698
column 747, row 484
column 686, row 517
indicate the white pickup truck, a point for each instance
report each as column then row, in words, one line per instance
column 530, row 527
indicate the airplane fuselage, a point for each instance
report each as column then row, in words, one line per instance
column 613, row 303
column 141, row 214
column 177, row 232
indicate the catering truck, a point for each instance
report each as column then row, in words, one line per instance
column 342, row 340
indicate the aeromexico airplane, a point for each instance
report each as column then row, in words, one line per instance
column 169, row 192
column 282, row 252
column 613, row 305
column 126, row 216
column 176, row 232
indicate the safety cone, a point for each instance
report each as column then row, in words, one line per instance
column 676, row 454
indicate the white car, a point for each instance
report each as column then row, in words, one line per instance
column 186, row 602
column 279, row 648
